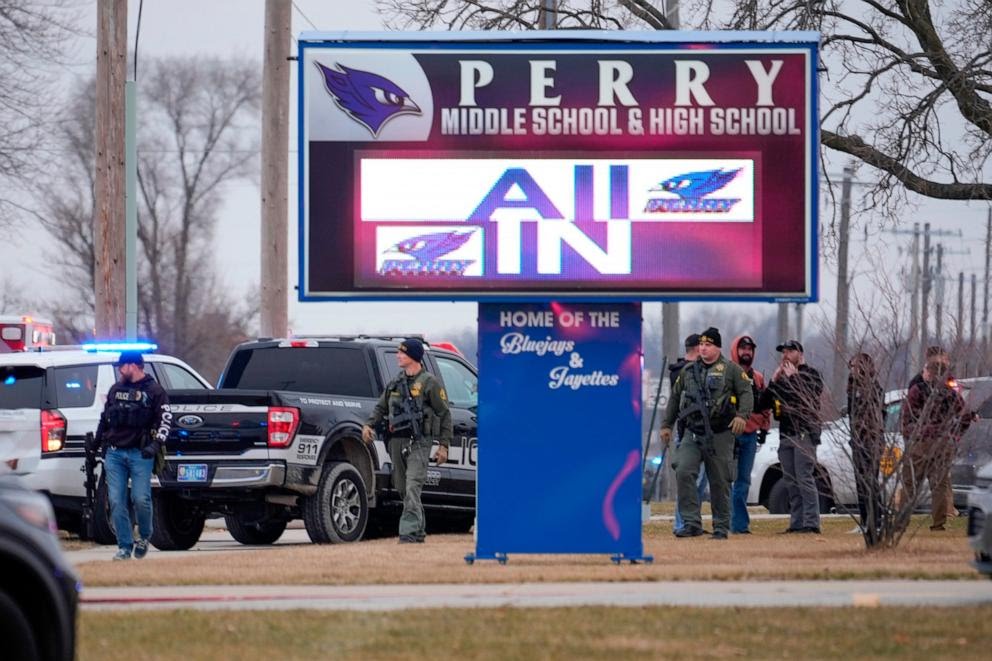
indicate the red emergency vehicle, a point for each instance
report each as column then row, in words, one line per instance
column 24, row 332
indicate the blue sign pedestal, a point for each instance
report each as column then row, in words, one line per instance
column 559, row 430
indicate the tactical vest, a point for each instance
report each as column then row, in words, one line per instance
column 130, row 408
column 713, row 395
column 403, row 412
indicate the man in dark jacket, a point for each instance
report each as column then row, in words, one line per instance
column 691, row 354
column 934, row 417
column 865, row 412
column 794, row 398
column 135, row 422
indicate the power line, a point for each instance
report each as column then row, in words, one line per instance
column 305, row 17
column 137, row 33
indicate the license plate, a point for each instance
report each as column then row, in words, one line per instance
column 192, row 473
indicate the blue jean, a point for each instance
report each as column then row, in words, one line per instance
column 701, row 484
column 119, row 465
column 740, row 520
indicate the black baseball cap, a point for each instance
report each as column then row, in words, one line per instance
column 131, row 358
column 692, row 341
column 790, row 344
column 746, row 340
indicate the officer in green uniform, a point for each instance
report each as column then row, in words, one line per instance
column 712, row 395
column 412, row 413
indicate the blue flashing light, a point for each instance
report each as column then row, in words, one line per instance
column 183, row 433
column 120, row 346
column 656, row 461
column 10, row 380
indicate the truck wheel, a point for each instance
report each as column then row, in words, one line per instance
column 15, row 631
column 778, row 498
column 176, row 525
column 339, row 511
column 255, row 533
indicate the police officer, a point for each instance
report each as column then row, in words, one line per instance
column 713, row 396
column 794, row 398
column 413, row 411
column 135, row 422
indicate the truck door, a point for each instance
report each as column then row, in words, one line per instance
column 462, row 387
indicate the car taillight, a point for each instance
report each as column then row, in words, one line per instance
column 283, row 422
column 52, row 431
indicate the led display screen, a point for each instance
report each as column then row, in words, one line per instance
column 507, row 170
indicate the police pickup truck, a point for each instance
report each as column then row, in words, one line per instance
column 280, row 439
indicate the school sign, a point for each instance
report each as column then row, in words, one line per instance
column 537, row 166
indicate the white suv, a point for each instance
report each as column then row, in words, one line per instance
column 49, row 401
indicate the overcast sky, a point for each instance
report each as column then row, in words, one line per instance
column 234, row 27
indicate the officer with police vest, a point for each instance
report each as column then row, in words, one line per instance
column 135, row 423
column 713, row 397
column 412, row 413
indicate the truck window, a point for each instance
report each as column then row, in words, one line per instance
column 327, row 370
column 178, row 378
column 21, row 387
column 892, row 413
column 460, row 383
column 75, row 386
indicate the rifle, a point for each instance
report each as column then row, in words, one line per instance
column 411, row 412
column 90, row 484
column 698, row 401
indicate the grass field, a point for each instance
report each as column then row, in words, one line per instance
column 510, row 633
column 763, row 555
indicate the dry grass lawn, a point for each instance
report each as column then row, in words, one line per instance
column 763, row 555
column 512, row 633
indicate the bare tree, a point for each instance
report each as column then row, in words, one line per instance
column 907, row 83
column 522, row 14
column 32, row 38
column 198, row 129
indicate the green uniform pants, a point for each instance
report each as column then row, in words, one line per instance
column 409, row 475
column 718, row 457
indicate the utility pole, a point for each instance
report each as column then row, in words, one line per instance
column 973, row 288
column 925, row 301
column 783, row 322
column 843, row 286
column 109, row 185
column 940, row 294
column 938, row 298
column 985, row 303
column 274, row 313
column 671, row 342
column 547, row 15
column 960, row 308
column 917, row 335
column 914, row 304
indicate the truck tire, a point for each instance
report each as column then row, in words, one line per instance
column 103, row 522
column 778, row 498
column 15, row 631
column 255, row 533
column 176, row 525
column 339, row 511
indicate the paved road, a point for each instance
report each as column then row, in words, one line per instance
column 215, row 539
column 545, row 595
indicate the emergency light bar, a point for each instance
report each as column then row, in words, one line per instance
column 120, row 346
